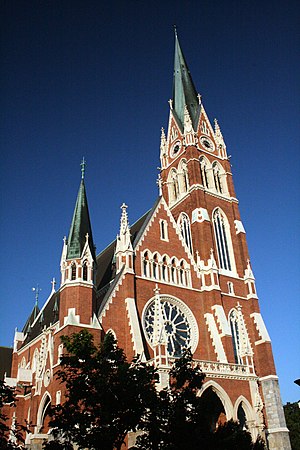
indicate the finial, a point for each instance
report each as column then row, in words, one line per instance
column 159, row 183
column 199, row 98
column 171, row 103
column 175, row 30
column 37, row 291
column 53, row 282
column 83, row 164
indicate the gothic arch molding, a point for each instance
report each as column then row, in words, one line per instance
column 44, row 403
column 223, row 396
column 246, row 406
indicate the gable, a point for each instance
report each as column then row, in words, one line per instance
column 162, row 239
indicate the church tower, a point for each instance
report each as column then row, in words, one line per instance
column 78, row 266
column 198, row 187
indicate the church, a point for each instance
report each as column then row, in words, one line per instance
column 178, row 278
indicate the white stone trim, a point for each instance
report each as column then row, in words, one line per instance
column 261, row 328
column 222, row 320
column 278, row 430
column 269, row 377
column 105, row 307
column 134, row 326
column 200, row 215
column 239, row 227
column 215, row 337
column 222, row 394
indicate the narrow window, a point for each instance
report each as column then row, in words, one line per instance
column 203, row 173
column 164, row 269
column 173, row 269
column 185, row 228
column 73, row 271
column 217, row 179
column 145, row 264
column 222, row 241
column 230, row 287
column 233, row 319
column 181, row 272
column 155, row 267
column 163, row 230
column 84, row 271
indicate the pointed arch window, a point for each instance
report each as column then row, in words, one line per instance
column 84, row 271
column 203, row 172
column 173, row 270
column 164, row 269
column 217, row 178
column 146, row 264
column 73, row 271
column 185, row 228
column 233, row 321
column 223, row 240
column 155, row 267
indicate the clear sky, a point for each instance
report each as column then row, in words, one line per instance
column 92, row 78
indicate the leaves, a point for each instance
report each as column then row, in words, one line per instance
column 105, row 394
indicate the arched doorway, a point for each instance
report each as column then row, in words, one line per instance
column 213, row 409
column 43, row 414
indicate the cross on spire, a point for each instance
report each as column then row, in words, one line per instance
column 83, row 164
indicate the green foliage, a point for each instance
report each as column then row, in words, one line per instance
column 178, row 419
column 8, row 400
column 292, row 416
column 106, row 395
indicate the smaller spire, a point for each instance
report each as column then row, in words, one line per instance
column 37, row 291
column 83, row 165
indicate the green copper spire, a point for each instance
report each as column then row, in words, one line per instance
column 184, row 92
column 81, row 225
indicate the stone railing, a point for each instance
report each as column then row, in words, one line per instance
column 213, row 369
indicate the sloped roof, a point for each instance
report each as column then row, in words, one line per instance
column 80, row 227
column 184, row 91
column 47, row 315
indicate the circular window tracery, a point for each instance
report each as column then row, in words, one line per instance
column 179, row 325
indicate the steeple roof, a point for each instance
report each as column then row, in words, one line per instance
column 184, row 91
column 81, row 226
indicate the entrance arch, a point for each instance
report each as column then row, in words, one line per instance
column 42, row 415
column 216, row 405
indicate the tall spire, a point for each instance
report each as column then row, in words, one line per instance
column 184, row 92
column 81, row 225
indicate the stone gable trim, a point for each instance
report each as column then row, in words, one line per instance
column 134, row 326
column 106, row 302
column 215, row 337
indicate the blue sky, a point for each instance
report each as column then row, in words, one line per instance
column 90, row 78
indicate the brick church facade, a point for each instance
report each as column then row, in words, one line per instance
column 180, row 277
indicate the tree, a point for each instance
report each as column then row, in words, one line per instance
column 105, row 395
column 292, row 416
column 180, row 421
column 10, row 437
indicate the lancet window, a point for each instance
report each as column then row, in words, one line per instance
column 185, row 228
column 84, row 271
column 73, row 271
column 233, row 321
column 223, row 240
column 217, row 178
column 204, row 172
